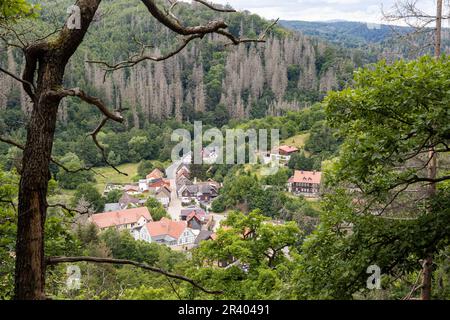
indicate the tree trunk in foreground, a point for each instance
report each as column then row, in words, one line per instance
column 30, row 263
column 45, row 64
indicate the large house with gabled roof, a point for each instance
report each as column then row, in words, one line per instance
column 121, row 219
column 165, row 231
column 305, row 183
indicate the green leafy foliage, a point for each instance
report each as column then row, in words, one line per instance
column 156, row 209
column 86, row 193
column 256, row 253
column 392, row 115
column 71, row 180
column 16, row 9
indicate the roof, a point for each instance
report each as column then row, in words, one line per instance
column 213, row 183
column 193, row 215
column 287, row 149
column 155, row 174
column 206, row 187
column 166, row 226
column 130, row 187
column 159, row 183
column 120, row 217
column 204, row 235
column 186, row 212
column 163, row 190
column 183, row 168
column 182, row 180
column 306, row 177
column 112, row 207
column 199, row 188
column 126, row 199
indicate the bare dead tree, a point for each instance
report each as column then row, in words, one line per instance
column 423, row 25
column 42, row 79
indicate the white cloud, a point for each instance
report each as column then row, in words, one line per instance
column 319, row 10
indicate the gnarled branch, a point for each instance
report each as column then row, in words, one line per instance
column 137, row 59
column 77, row 92
column 107, row 115
column 63, row 206
column 172, row 22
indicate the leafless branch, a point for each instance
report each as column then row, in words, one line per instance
column 19, row 79
column 137, row 59
column 212, row 7
column 168, row 19
column 94, row 134
column 418, row 20
column 57, row 260
column 237, row 41
column 10, row 31
column 77, row 92
column 107, row 115
column 70, row 210
column 59, row 164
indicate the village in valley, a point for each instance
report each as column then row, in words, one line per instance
column 186, row 201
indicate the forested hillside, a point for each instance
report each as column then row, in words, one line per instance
column 209, row 80
column 378, row 41
column 347, row 33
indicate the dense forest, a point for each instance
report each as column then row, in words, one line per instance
column 371, row 119
column 208, row 81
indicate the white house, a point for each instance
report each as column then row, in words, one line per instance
column 163, row 196
column 165, row 231
column 122, row 219
column 143, row 185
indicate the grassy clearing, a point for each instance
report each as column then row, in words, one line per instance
column 297, row 141
column 112, row 176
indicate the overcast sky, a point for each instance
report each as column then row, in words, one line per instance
column 320, row 10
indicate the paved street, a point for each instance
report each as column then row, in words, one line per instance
column 217, row 219
column 175, row 203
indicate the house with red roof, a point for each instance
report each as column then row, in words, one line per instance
column 165, row 231
column 121, row 219
column 192, row 209
column 281, row 154
column 159, row 183
column 156, row 174
column 287, row 150
column 153, row 181
column 305, row 183
column 183, row 170
column 195, row 221
column 132, row 189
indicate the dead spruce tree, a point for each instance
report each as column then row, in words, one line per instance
column 42, row 79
